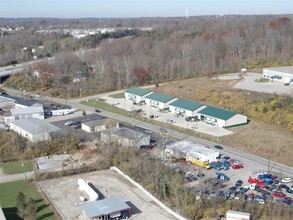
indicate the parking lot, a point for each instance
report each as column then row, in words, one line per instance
column 64, row 194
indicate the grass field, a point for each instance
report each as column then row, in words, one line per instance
column 118, row 95
column 9, row 192
column 16, row 167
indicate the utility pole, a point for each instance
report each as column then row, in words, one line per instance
column 23, row 169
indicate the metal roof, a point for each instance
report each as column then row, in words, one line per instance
column 4, row 99
column 35, row 125
column 284, row 69
column 191, row 148
column 186, row 104
column 217, row 112
column 160, row 97
column 129, row 133
column 28, row 110
column 94, row 123
column 104, row 207
column 138, row 91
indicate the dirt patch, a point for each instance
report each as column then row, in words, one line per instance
column 257, row 138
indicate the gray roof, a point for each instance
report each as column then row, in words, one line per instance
column 284, row 69
column 4, row 99
column 186, row 104
column 129, row 133
column 28, row 110
column 94, row 123
column 104, row 207
column 35, row 126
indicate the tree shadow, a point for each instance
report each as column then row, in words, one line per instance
column 45, row 216
column 38, row 200
column 41, row 207
column 134, row 209
column 11, row 213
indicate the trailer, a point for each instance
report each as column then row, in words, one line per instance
column 236, row 215
column 62, row 111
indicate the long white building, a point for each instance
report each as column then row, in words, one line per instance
column 283, row 74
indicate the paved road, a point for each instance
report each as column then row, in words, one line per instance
column 4, row 178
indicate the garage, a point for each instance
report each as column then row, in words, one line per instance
column 136, row 94
column 159, row 100
column 221, row 117
column 185, row 108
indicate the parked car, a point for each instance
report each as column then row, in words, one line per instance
column 163, row 130
column 239, row 183
column 279, row 194
column 237, row 166
column 286, row 180
column 68, row 123
column 98, row 110
column 153, row 116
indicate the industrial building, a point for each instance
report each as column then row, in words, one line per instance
column 35, row 130
column 159, row 100
column 126, row 137
column 34, row 111
column 283, row 74
column 109, row 208
column 191, row 151
column 6, row 102
column 137, row 94
column 94, row 125
column 185, row 108
column 221, row 117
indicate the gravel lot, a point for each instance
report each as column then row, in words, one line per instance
column 64, row 193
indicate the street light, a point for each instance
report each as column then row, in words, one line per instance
column 23, row 169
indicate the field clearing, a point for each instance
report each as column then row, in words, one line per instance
column 16, row 167
column 9, row 192
column 257, row 138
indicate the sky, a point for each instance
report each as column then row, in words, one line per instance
column 139, row 8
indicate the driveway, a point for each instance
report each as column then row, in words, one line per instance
column 248, row 83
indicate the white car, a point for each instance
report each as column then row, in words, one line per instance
column 68, row 123
column 286, row 180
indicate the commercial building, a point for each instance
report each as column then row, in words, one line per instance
column 34, row 111
column 125, row 137
column 191, row 151
column 109, row 208
column 159, row 100
column 94, row 126
column 221, row 117
column 185, row 108
column 137, row 94
column 283, row 74
column 6, row 102
column 35, row 130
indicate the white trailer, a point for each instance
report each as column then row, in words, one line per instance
column 63, row 111
column 236, row 215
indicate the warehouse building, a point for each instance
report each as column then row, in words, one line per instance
column 35, row 130
column 109, row 208
column 191, row 151
column 283, row 74
column 185, row 108
column 159, row 100
column 136, row 94
column 6, row 102
column 126, row 137
column 94, row 125
column 221, row 117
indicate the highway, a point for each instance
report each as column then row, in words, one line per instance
column 259, row 162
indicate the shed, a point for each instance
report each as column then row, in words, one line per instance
column 159, row 100
column 126, row 137
column 136, row 94
column 35, row 130
column 221, row 117
column 185, row 107
column 105, row 208
column 94, row 126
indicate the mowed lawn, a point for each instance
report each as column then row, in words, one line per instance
column 9, row 192
column 16, row 167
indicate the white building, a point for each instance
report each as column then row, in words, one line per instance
column 236, row 215
column 221, row 117
column 159, row 100
column 137, row 94
column 185, row 107
column 283, row 74
column 126, row 137
column 35, row 111
column 35, row 130
column 191, row 151
column 6, row 102
column 94, row 126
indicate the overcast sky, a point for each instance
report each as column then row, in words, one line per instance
column 140, row 8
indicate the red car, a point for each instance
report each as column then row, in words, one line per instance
column 279, row 194
column 237, row 166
